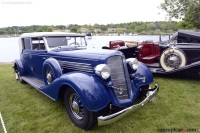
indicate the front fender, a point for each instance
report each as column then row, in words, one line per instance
column 90, row 89
column 143, row 72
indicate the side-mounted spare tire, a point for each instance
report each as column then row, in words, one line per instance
column 172, row 58
column 51, row 70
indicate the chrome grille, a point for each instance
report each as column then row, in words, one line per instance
column 119, row 77
column 84, row 67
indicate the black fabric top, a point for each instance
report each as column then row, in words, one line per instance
column 187, row 36
column 189, row 32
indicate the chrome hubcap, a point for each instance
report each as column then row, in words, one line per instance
column 49, row 75
column 173, row 60
column 49, row 78
column 76, row 106
column 19, row 78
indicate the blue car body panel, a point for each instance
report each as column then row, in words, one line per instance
column 74, row 67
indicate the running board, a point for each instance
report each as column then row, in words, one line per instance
column 153, row 65
column 160, row 70
column 36, row 83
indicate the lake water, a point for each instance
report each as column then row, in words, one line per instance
column 9, row 49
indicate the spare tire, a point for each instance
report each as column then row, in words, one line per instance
column 51, row 70
column 172, row 59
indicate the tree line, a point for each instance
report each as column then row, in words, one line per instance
column 131, row 27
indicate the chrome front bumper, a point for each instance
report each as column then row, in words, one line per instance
column 104, row 120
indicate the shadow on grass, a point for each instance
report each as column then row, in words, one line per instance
column 181, row 76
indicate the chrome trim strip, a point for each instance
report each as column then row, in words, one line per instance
column 104, row 120
column 71, row 66
column 76, row 69
column 76, row 66
column 68, row 62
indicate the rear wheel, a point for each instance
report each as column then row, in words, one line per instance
column 78, row 114
column 19, row 78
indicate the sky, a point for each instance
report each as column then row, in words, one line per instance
column 64, row 12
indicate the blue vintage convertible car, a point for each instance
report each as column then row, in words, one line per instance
column 98, row 86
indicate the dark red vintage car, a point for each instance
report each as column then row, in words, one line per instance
column 180, row 52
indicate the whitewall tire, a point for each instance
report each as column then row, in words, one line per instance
column 172, row 59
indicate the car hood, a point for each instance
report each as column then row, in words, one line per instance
column 85, row 54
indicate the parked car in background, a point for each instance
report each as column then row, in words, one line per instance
column 98, row 86
column 180, row 53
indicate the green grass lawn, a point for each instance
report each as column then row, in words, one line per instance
column 25, row 109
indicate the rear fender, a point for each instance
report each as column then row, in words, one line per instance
column 19, row 66
column 90, row 89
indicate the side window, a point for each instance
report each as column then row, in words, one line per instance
column 27, row 43
column 38, row 44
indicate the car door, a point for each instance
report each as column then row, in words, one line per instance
column 26, row 55
column 39, row 55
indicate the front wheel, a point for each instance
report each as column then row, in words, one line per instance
column 78, row 114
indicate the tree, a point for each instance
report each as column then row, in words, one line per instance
column 139, row 29
column 119, row 31
column 74, row 29
column 49, row 29
column 187, row 10
column 193, row 15
column 103, row 27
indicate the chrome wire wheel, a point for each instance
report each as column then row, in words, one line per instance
column 19, row 78
column 76, row 106
column 49, row 75
column 173, row 60
column 77, row 112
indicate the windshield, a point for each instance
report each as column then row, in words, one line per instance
column 168, row 39
column 64, row 41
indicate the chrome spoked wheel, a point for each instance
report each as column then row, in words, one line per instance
column 76, row 106
column 49, row 75
column 19, row 78
column 173, row 60
column 77, row 112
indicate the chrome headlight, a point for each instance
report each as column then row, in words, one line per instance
column 133, row 63
column 103, row 71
